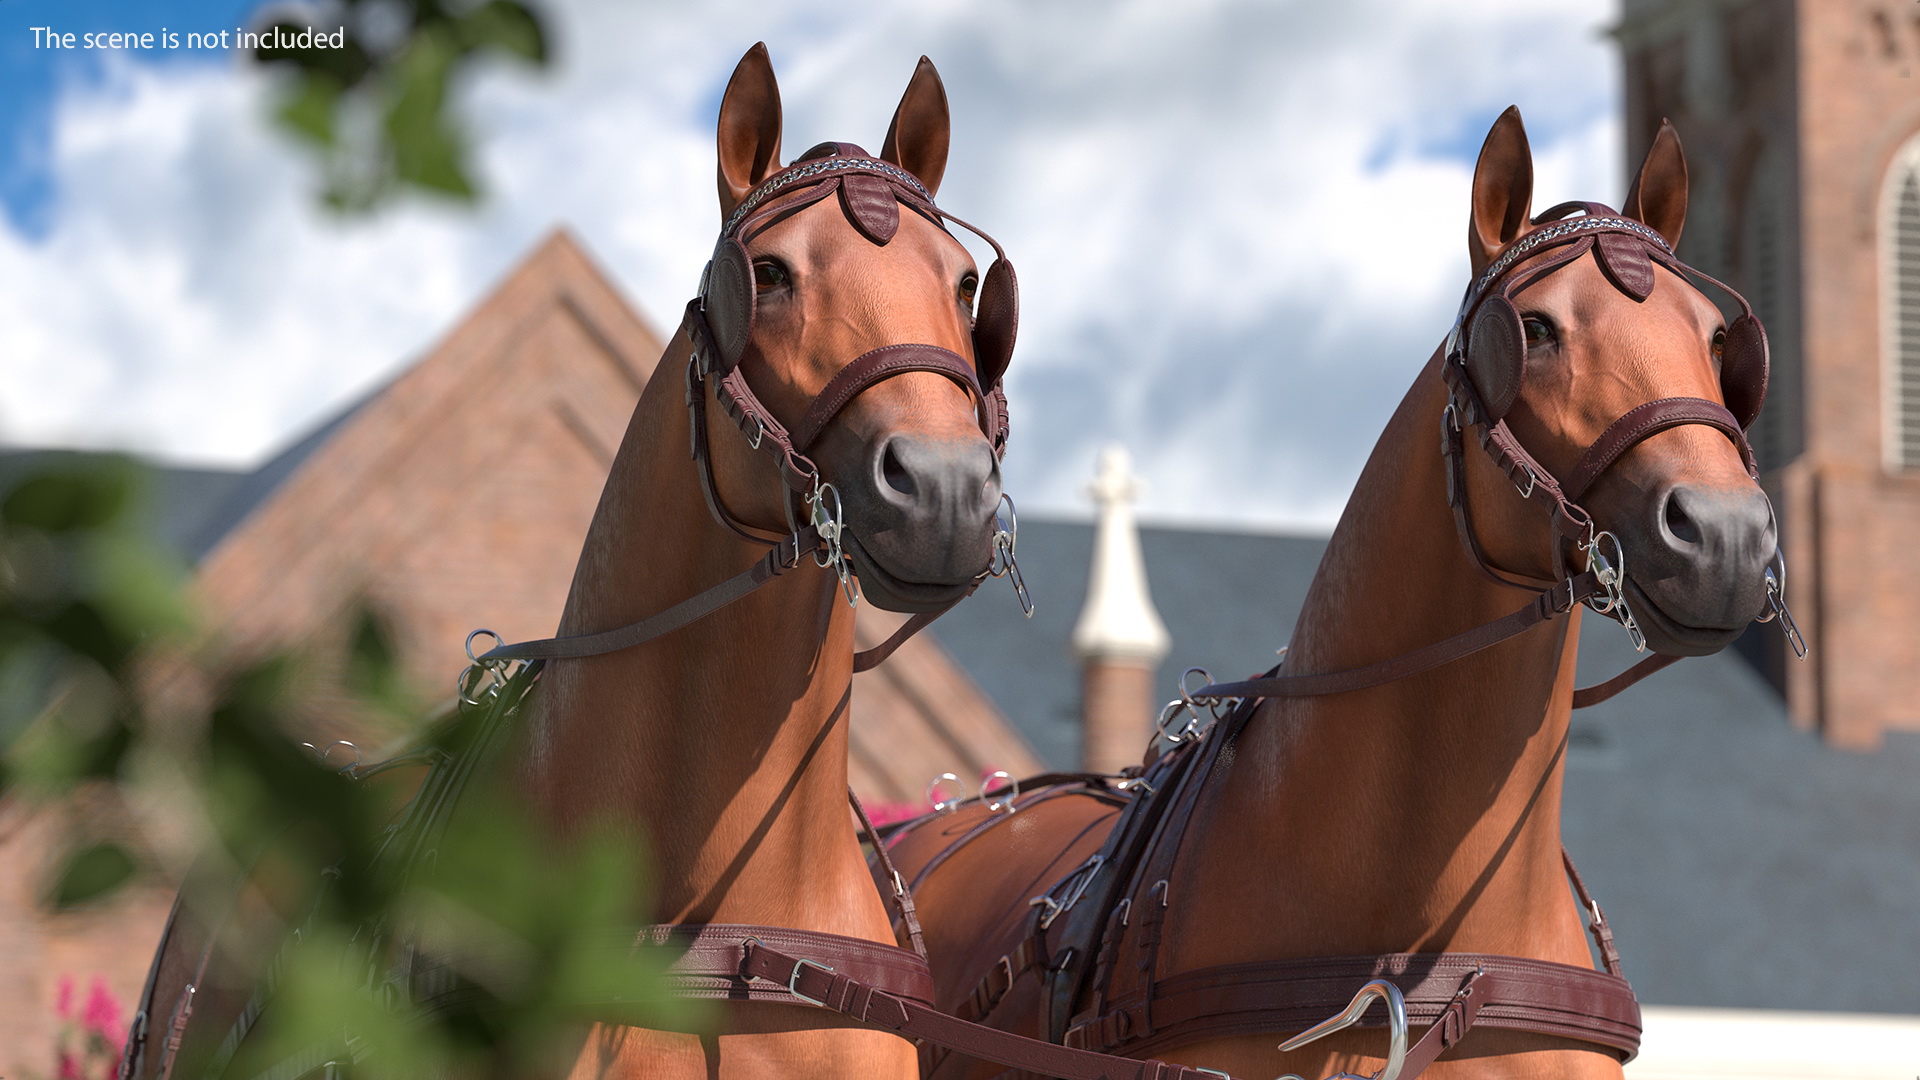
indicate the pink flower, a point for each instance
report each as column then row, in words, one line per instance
column 69, row 1068
column 63, row 998
column 102, row 1012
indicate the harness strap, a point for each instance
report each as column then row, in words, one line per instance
column 1594, row 695
column 895, row 886
column 1549, row 605
column 1515, row 993
column 785, row 556
column 822, row 985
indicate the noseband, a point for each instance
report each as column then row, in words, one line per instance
column 1485, row 369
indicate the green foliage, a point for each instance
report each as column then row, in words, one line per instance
column 533, row 935
column 378, row 108
column 92, row 872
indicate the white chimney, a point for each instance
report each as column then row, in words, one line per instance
column 1119, row 638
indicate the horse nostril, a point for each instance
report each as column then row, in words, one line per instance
column 1679, row 523
column 896, row 474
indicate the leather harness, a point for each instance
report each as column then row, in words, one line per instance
column 1103, row 991
column 1099, row 970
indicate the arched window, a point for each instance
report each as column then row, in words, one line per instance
column 1900, row 303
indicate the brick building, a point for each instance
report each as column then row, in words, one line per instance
column 1801, row 121
column 454, row 497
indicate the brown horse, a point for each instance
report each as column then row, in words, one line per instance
column 724, row 740
column 1420, row 814
column 727, row 740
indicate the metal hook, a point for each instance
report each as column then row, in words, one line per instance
column 1006, row 537
column 994, row 807
column 832, row 527
column 1777, row 605
column 943, row 806
column 1379, row 989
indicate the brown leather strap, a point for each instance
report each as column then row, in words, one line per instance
column 869, row 659
column 1596, row 920
column 717, row 963
column 1521, row 994
column 872, row 367
column 1453, row 1023
column 824, row 985
column 1549, row 605
column 785, row 556
column 1648, row 420
column 1593, row 695
column 895, row 886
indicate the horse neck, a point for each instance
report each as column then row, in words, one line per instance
column 1425, row 813
column 723, row 741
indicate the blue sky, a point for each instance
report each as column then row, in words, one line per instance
column 31, row 78
column 1195, row 196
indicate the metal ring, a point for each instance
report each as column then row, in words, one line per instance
column 497, row 642
column 1187, row 695
column 468, row 686
column 943, row 806
column 324, row 754
column 1167, row 714
column 994, row 807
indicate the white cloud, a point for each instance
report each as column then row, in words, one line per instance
column 1238, row 224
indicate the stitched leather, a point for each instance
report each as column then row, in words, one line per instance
column 874, row 366
column 1645, row 421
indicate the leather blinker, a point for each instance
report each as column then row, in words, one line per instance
column 1743, row 369
column 727, row 301
column 996, row 322
column 1497, row 355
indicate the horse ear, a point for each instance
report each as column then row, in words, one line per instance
column 1658, row 196
column 749, row 128
column 917, row 137
column 1502, row 189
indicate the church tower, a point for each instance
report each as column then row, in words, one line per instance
column 1801, row 123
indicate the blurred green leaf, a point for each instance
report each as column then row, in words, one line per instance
column 397, row 66
column 507, row 26
column 67, row 500
column 308, row 110
column 92, row 873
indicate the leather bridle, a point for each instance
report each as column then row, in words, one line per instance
column 1484, row 369
column 719, row 324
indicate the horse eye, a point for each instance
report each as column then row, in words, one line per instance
column 768, row 275
column 969, row 287
column 1537, row 331
column 1719, row 343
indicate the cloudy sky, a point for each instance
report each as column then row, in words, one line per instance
column 1239, row 224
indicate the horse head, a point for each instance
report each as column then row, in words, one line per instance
column 840, row 301
column 1585, row 345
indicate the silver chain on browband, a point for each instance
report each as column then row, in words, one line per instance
column 1550, row 237
column 822, row 167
